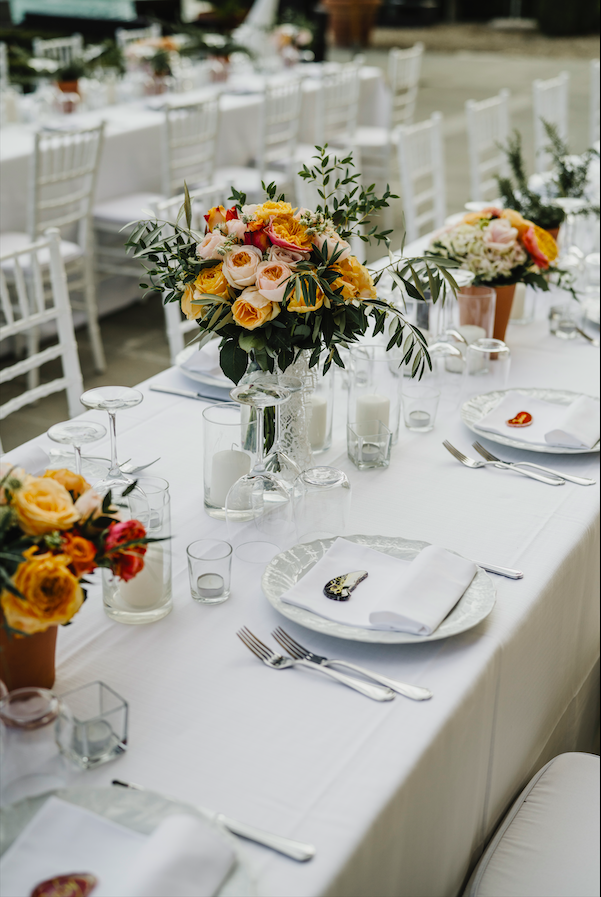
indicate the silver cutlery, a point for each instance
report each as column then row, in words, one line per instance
column 188, row 394
column 296, row 850
column 501, row 571
column 580, row 481
column 591, row 339
column 415, row 692
column 278, row 662
column 471, row 462
column 130, row 468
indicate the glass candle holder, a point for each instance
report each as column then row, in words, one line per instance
column 321, row 503
column 320, row 412
column 522, row 307
column 368, row 444
column 229, row 439
column 487, row 365
column 564, row 320
column 375, row 388
column 148, row 596
column 209, row 570
column 420, row 404
column 476, row 308
column 94, row 730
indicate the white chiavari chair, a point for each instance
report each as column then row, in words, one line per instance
column 550, row 99
column 202, row 200
column 338, row 107
column 188, row 154
column 4, row 78
column 61, row 49
column 26, row 307
column 594, row 104
column 487, row 129
column 126, row 36
column 421, row 163
column 64, row 166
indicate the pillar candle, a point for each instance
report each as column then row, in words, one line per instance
column 146, row 589
column 227, row 467
column 318, row 421
column 372, row 407
column 519, row 300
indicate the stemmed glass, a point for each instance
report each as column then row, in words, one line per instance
column 78, row 433
column 112, row 399
column 277, row 461
column 569, row 250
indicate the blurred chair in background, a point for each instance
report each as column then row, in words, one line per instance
column 594, row 103
column 126, row 36
column 62, row 49
column 421, row 162
column 550, row 100
column 487, row 128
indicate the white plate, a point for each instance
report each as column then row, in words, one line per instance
column 289, row 566
column 199, row 376
column 141, row 811
column 477, row 407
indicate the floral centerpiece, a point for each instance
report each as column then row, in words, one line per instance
column 54, row 530
column 293, row 42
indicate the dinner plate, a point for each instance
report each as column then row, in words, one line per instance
column 477, row 407
column 288, row 567
column 141, row 811
column 199, row 376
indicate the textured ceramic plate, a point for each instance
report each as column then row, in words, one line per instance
column 141, row 811
column 289, row 566
column 476, row 408
column 199, row 376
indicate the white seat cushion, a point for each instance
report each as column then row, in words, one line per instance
column 114, row 213
column 374, row 138
column 248, row 180
column 548, row 844
column 11, row 241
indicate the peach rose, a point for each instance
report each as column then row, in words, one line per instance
column 288, row 257
column 52, row 594
column 240, row 266
column 209, row 246
column 210, row 280
column 15, row 476
column 43, row 505
column 500, row 235
column 330, row 243
column 73, row 482
column 289, row 233
column 90, row 503
column 236, row 228
column 251, row 309
column 352, row 270
column 272, row 278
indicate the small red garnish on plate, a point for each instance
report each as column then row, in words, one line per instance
column 523, row 419
column 77, row 884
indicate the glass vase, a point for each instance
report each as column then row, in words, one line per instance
column 375, row 388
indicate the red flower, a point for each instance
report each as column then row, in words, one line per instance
column 531, row 243
column 259, row 239
column 126, row 563
column 231, row 213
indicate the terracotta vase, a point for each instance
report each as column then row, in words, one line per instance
column 554, row 231
column 28, row 660
column 68, row 86
column 351, row 21
column 503, row 310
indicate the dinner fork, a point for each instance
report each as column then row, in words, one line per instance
column 580, row 481
column 278, row 662
column 470, row 462
column 130, row 468
column 289, row 644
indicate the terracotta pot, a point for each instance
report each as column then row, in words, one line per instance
column 68, row 86
column 554, row 231
column 352, row 20
column 28, row 660
column 503, row 310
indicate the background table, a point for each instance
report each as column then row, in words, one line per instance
column 397, row 797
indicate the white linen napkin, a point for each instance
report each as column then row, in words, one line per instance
column 571, row 426
column 32, row 458
column 184, row 857
column 404, row 596
column 206, row 361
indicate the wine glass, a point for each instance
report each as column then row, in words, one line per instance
column 277, row 461
column 570, row 253
column 77, row 433
column 112, row 399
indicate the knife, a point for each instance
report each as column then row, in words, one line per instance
column 501, row 571
column 188, row 394
column 296, row 850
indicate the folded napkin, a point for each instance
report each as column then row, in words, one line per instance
column 403, row 596
column 184, row 857
column 206, row 361
column 569, row 426
column 31, row 457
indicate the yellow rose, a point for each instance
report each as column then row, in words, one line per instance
column 251, row 309
column 357, row 274
column 268, row 209
column 289, row 234
column 214, row 216
column 43, row 505
column 73, row 482
column 52, row 595
column 298, row 304
column 210, row 280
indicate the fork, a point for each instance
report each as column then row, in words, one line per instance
column 580, row 481
column 470, row 462
column 133, row 469
column 289, row 644
column 278, row 662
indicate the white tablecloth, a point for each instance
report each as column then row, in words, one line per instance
column 399, row 797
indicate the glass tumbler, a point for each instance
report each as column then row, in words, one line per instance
column 487, row 365
column 476, row 309
column 375, row 388
column 94, row 730
column 321, row 503
column 209, row 569
column 229, row 450
column 420, row 404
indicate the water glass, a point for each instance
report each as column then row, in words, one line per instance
column 321, row 503
column 563, row 320
column 209, row 569
column 368, row 444
column 522, row 307
column 375, row 388
column 94, row 730
column 320, row 412
column 420, row 404
column 476, row 309
column 487, row 364
column 229, row 449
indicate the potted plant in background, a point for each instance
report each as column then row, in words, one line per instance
column 67, row 77
column 352, row 21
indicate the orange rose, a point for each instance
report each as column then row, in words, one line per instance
column 51, row 593
column 82, row 553
column 270, row 209
column 73, row 482
column 214, row 216
column 516, row 220
column 251, row 309
column 289, row 233
column 210, row 280
column 359, row 276
column 43, row 505
column 297, row 302
column 541, row 246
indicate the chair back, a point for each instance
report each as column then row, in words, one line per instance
column 27, row 306
column 202, row 200
column 126, row 36
column 190, row 138
column 404, row 68
column 487, row 128
column 280, row 121
column 421, row 163
column 4, row 76
column 337, row 106
column 62, row 49
column 594, row 103
column 550, row 100
column 63, row 179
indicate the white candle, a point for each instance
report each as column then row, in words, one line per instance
column 318, row 421
column 145, row 589
column 210, row 585
column 372, row 408
column 227, row 467
column 519, row 299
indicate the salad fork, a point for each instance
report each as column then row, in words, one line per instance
column 580, row 481
column 289, row 644
column 278, row 662
column 470, row 462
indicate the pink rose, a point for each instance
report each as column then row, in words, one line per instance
column 88, row 503
column 210, row 245
column 272, row 278
column 240, row 266
column 127, row 563
column 329, row 243
column 236, row 228
column 500, row 235
column 287, row 257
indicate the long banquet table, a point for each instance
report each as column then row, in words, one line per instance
column 397, row 797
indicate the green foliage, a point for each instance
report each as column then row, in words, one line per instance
column 517, row 195
column 569, row 173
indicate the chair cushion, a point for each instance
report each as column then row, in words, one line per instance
column 114, row 213
column 376, row 138
column 11, row 241
column 548, row 844
column 248, row 180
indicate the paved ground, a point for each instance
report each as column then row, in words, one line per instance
column 134, row 338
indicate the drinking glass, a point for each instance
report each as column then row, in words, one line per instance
column 476, row 312
column 375, row 388
column 420, row 404
column 487, row 364
column 77, row 433
column 563, row 320
column 209, row 570
column 229, row 449
column 92, row 725
column 571, row 205
column 112, row 399
column 321, row 503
